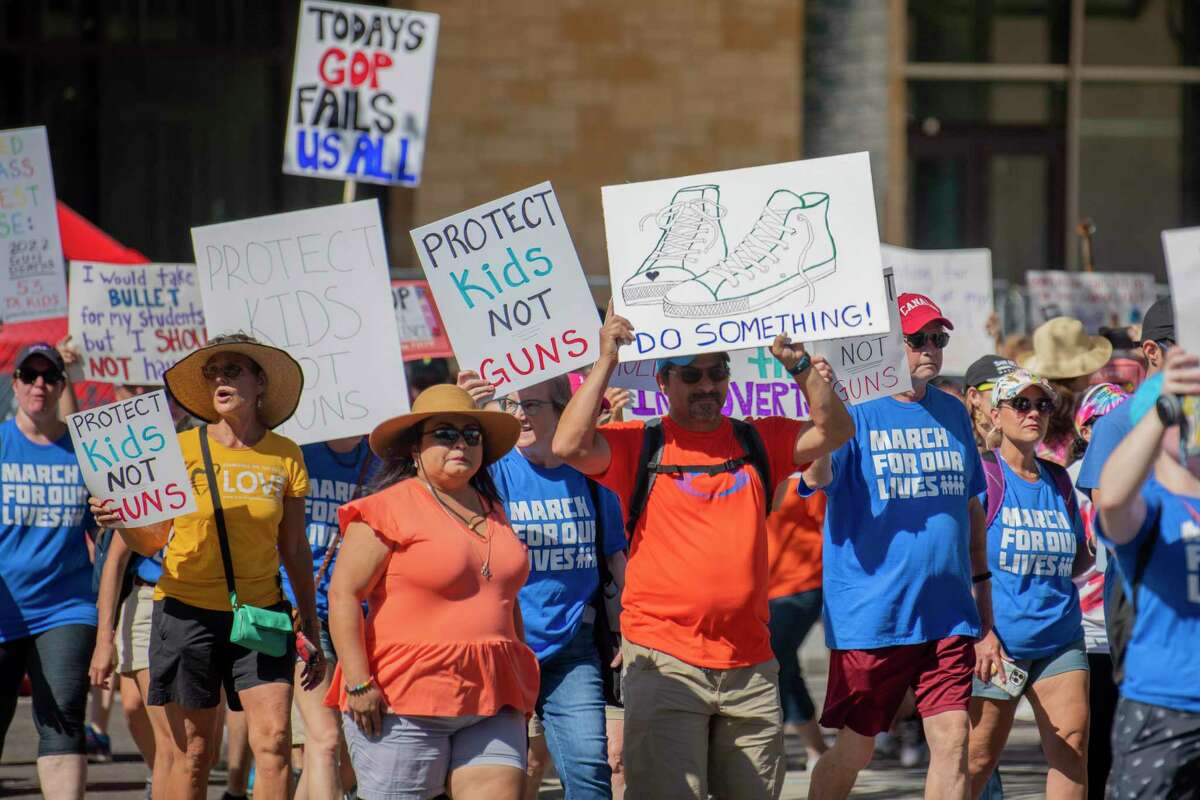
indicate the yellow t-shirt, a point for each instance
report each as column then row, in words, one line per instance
column 253, row 482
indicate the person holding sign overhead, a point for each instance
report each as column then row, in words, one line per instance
column 47, row 608
column 219, row 618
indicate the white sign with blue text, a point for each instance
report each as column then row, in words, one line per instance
column 1182, row 249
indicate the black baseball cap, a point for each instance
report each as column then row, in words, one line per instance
column 987, row 370
column 43, row 349
column 1159, row 323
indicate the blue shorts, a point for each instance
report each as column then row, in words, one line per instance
column 1070, row 658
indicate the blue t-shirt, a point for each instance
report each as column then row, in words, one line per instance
column 897, row 562
column 149, row 569
column 1031, row 554
column 551, row 511
column 1162, row 667
column 1107, row 433
column 45, row 569
column 332, row 480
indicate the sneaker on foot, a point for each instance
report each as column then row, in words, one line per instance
column 691, row 227
column 97, row 745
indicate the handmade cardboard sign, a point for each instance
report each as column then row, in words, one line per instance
column 728, row 260
column 1097, row 299
column 1182, row 249
column 511, row 290
column 128, row 453
column 360, row 93
column 132, row 322
column 960, row 282
column 314, row 283
column 422, row 333
column 33, row 284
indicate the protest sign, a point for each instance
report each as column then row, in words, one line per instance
column 128, row 453
column 422, row 333
column 1182, row 249
column 728, row 260
column 360, row 93
column 314, row 283
column 33, row 284
column 510, row 287
column 960, row 282
column 1097, row 299
column 132, row 322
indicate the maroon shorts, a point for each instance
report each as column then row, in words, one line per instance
column 866, row 687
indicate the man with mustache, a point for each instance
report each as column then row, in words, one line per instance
column 905, row 570
column 701, row 683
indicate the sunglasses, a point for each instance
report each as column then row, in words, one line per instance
column 30, row 375
column 230, row 371
column 448, row 435
column 716, row 374
column 917, row 340
column 1023, row 405
column 531, row 408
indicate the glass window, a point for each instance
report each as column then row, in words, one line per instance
column 991, row 102
column 1152, row 33
column 1001, row 31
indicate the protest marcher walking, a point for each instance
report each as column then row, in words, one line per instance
column 980, row 378
column 905, row 569
column 552, row 509
column 47, row 606
column 701, row 683
column 242, row 389
column 1149, row 513
column 1036, row 545
column 435, row 685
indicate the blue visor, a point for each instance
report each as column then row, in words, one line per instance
column 678, row 361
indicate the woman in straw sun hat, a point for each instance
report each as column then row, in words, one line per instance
column 242, row 389
column 436, row 683
column 1065, row 355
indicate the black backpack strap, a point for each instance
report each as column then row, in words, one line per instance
column 647, row 470
column 1139, row 572
column 218, row 512
column 756, row 452
column 601, row 564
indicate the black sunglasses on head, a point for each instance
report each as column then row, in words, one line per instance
column 448, row 435
column 716, row 373
column 1022, row 405
column 29, row 375
column 917, row 340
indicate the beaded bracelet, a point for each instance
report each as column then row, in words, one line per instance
column 362, row 687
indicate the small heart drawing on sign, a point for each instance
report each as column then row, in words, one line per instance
column 652, row 274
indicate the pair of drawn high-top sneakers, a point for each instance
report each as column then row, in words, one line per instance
column 693, row 273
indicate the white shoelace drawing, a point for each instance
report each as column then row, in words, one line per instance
column 683, row 223
column 757, row 251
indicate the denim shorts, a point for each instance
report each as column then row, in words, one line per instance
column 1070, row 658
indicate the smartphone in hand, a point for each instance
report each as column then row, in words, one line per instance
column 1013, row 680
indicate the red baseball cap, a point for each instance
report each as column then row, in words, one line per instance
column 917, row 311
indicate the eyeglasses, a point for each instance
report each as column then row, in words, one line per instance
column 917, row 340
column 1023, row 405
column 716, row 374
column 29, row 375
column 230, row 371
column 531, row 408
column 448, row 435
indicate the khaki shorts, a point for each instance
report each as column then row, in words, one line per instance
column 133, row 631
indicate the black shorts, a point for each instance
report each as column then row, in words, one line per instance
column 1156, row 753
column 191, row 658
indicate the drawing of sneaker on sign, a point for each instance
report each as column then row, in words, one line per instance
column 789, row 248
column 691, row 227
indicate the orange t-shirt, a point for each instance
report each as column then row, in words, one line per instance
column 696, row 582
column 440, row 638
column 794, row 542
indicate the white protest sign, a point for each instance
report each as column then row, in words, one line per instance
column 314, row 283
column 1182, row 249
column 960, row 282
column 132, row 322
column 1097, row 299
column 867, row 367
column 129, row 453
column 360, row 93
column 33, row 284
column 728, row 260
column 510, row 289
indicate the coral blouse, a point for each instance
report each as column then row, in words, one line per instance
column 440, row 637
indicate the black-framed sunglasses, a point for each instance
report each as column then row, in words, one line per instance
column 1023, row 405
column 917, row 340
column 716, row 373
column 29, row 375
column 531, row 408
column 230, row 371
column 448, row 435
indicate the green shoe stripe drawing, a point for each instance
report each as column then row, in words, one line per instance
column 692, row 239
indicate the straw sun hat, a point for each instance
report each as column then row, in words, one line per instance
column 284, row 377
column 1062, row 350
column 500, row 430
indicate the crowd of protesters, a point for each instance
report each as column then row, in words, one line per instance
column 490, row 584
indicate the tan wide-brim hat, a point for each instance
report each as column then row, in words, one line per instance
column 285, row 380
column 1062, row 350
column 500, row 430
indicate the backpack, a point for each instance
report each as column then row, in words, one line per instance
column 1120, row 609
column 606, row 632
column 650, row 465
column 994, row 473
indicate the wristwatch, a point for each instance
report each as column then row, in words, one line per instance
column 804, row 363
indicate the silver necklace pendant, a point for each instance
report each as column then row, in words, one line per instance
column 486, row 571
